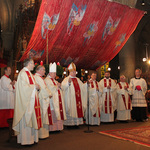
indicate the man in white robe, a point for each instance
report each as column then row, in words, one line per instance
column 124, row 105
column 7, row 96
column 108, row 89
column 56, row 102
column 138, row 88
column 94, row 103
column 75, row 93
column 7, row 90
column 44, row 97
column 27, row 115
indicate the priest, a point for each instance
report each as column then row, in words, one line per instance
column 56, row 102
column 75, row 93
column 124, row 106
column 94, row 102
column 138, row 88
column 108, row 89
column 27, row 115
column 44, row 97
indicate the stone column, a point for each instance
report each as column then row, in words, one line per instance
column 127, row 58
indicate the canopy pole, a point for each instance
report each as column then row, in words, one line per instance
column 47, row 49
column 88, row 111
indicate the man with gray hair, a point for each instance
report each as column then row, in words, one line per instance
column 123, row 100
column 138, row 88
column 44, row 97
column 27, row 115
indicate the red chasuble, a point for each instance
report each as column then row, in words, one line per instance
column 92, row 86
column 36, row 105
column 110, row 103
column 60, row 101
column 48, row 110
column 78, row 98
column 123, row 97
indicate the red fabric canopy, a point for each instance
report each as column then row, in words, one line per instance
column 86, row 32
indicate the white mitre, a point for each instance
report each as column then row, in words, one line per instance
column 72, row 67
column 52, row 67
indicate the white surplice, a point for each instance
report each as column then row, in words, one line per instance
column 138, row 97
column 7, row 94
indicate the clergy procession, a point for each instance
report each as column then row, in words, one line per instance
column 43, row 105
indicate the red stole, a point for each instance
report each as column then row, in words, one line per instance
column 123, row 97
column 78, row 98
column 110, row 103
column 48, row 110
column 60, row 101
column 36, row 105
column 92, row 86
column 6, row 76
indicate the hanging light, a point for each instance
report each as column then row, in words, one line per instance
column 118, row 67
column 143, row 2
column 17, row 71
column 144, row 59
column 64, row 72
column 86, row 71
column 109, row 69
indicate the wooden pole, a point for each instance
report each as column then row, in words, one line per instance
column 47, row 49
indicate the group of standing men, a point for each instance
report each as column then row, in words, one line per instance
column 43, row 105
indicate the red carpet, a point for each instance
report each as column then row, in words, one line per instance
column 139, row 135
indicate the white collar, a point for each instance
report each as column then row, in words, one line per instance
column 93, row 80
column 38, row 74
column 26, row 69
column 50, row 76
column 71, row 76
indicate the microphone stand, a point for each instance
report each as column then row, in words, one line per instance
column 88, row 113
